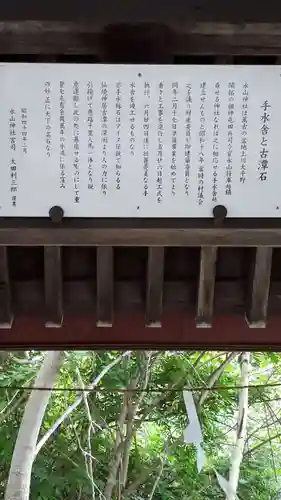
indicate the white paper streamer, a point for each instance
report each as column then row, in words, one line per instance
column 193, row 434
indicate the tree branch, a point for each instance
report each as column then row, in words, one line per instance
column 157, row 480
column 116, row 454
column 147, row 471
column 238, row 450
column 77, row 402
column 262, row 443
column 214, row 377
column 18, row 485
column 12, row 408
column 90, row 430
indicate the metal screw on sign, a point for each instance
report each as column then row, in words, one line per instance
column 56, row 214
column 219, row 213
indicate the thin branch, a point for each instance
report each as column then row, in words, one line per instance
column 238, row 450
column 198, row 359
column 132, row 410
column 77, row 402
column 157, row 480
column 271, row 450
column 140, row 479
column 90, row 430
column 87, row 458
column 127, row 443
column 12, row 408
column 117, row 451
column 26, row 361
column 121, row 452
column 262, row 443
column 147, row 471
column 12, row 399
column 214, row 377
column 163, row 396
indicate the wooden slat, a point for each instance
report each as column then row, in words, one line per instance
column 154, row 286
column 109, row 236
column 105, row 286
column 179, row 13
column 257, row 301
column 53, row 286
column 206, row 287
column 224, row 59
column 6, row 318
column 40, row 46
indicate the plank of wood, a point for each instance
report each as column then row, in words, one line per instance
column 179, row 13
column 53, row 286
column 40, row 40
column 6, row 317
column 206, row 287
column 136, row 236
column 259, row 284
column 105, row 286
column 154, row 286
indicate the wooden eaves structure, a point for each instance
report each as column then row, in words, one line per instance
column 145, row 283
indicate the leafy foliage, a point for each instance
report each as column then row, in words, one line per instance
column 147, row 388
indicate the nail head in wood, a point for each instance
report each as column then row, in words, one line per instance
column 56, row 214
column 219, row 212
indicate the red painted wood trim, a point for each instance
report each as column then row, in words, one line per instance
column 178, row 332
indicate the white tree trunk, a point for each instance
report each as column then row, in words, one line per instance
column 18, row 486
column 238, row 450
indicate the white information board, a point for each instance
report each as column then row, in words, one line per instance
column 140, row 141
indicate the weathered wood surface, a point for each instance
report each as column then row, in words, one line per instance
column 35, row 39
column 108, row 11
column 126, row 275
column 154, row 286
column 149, row 285
column 144, row 279
column 258, row 293
column 105, row 286
column 53, row 286
column 142, row 236
column 206, row 287
column 5, row 290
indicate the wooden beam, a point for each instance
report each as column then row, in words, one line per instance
column 134, row 236
column 105, row 286
column 53, row 286
column 258, row 294
column 224, row 59
column 206, row 287
column 31, row 38
column 180, row 13
column 177, row 333
column 154, row 286
column 6, row 318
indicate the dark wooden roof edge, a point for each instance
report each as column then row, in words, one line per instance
column 160, row 40
column 178, row 332
column 189, row 26
column 114, row 11
column 151, row 302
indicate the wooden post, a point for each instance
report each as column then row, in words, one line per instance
column 53, row 286
column 154, row 287
column 105, row 286
column 6, row 318
column 259, row 283
column 206, row 287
